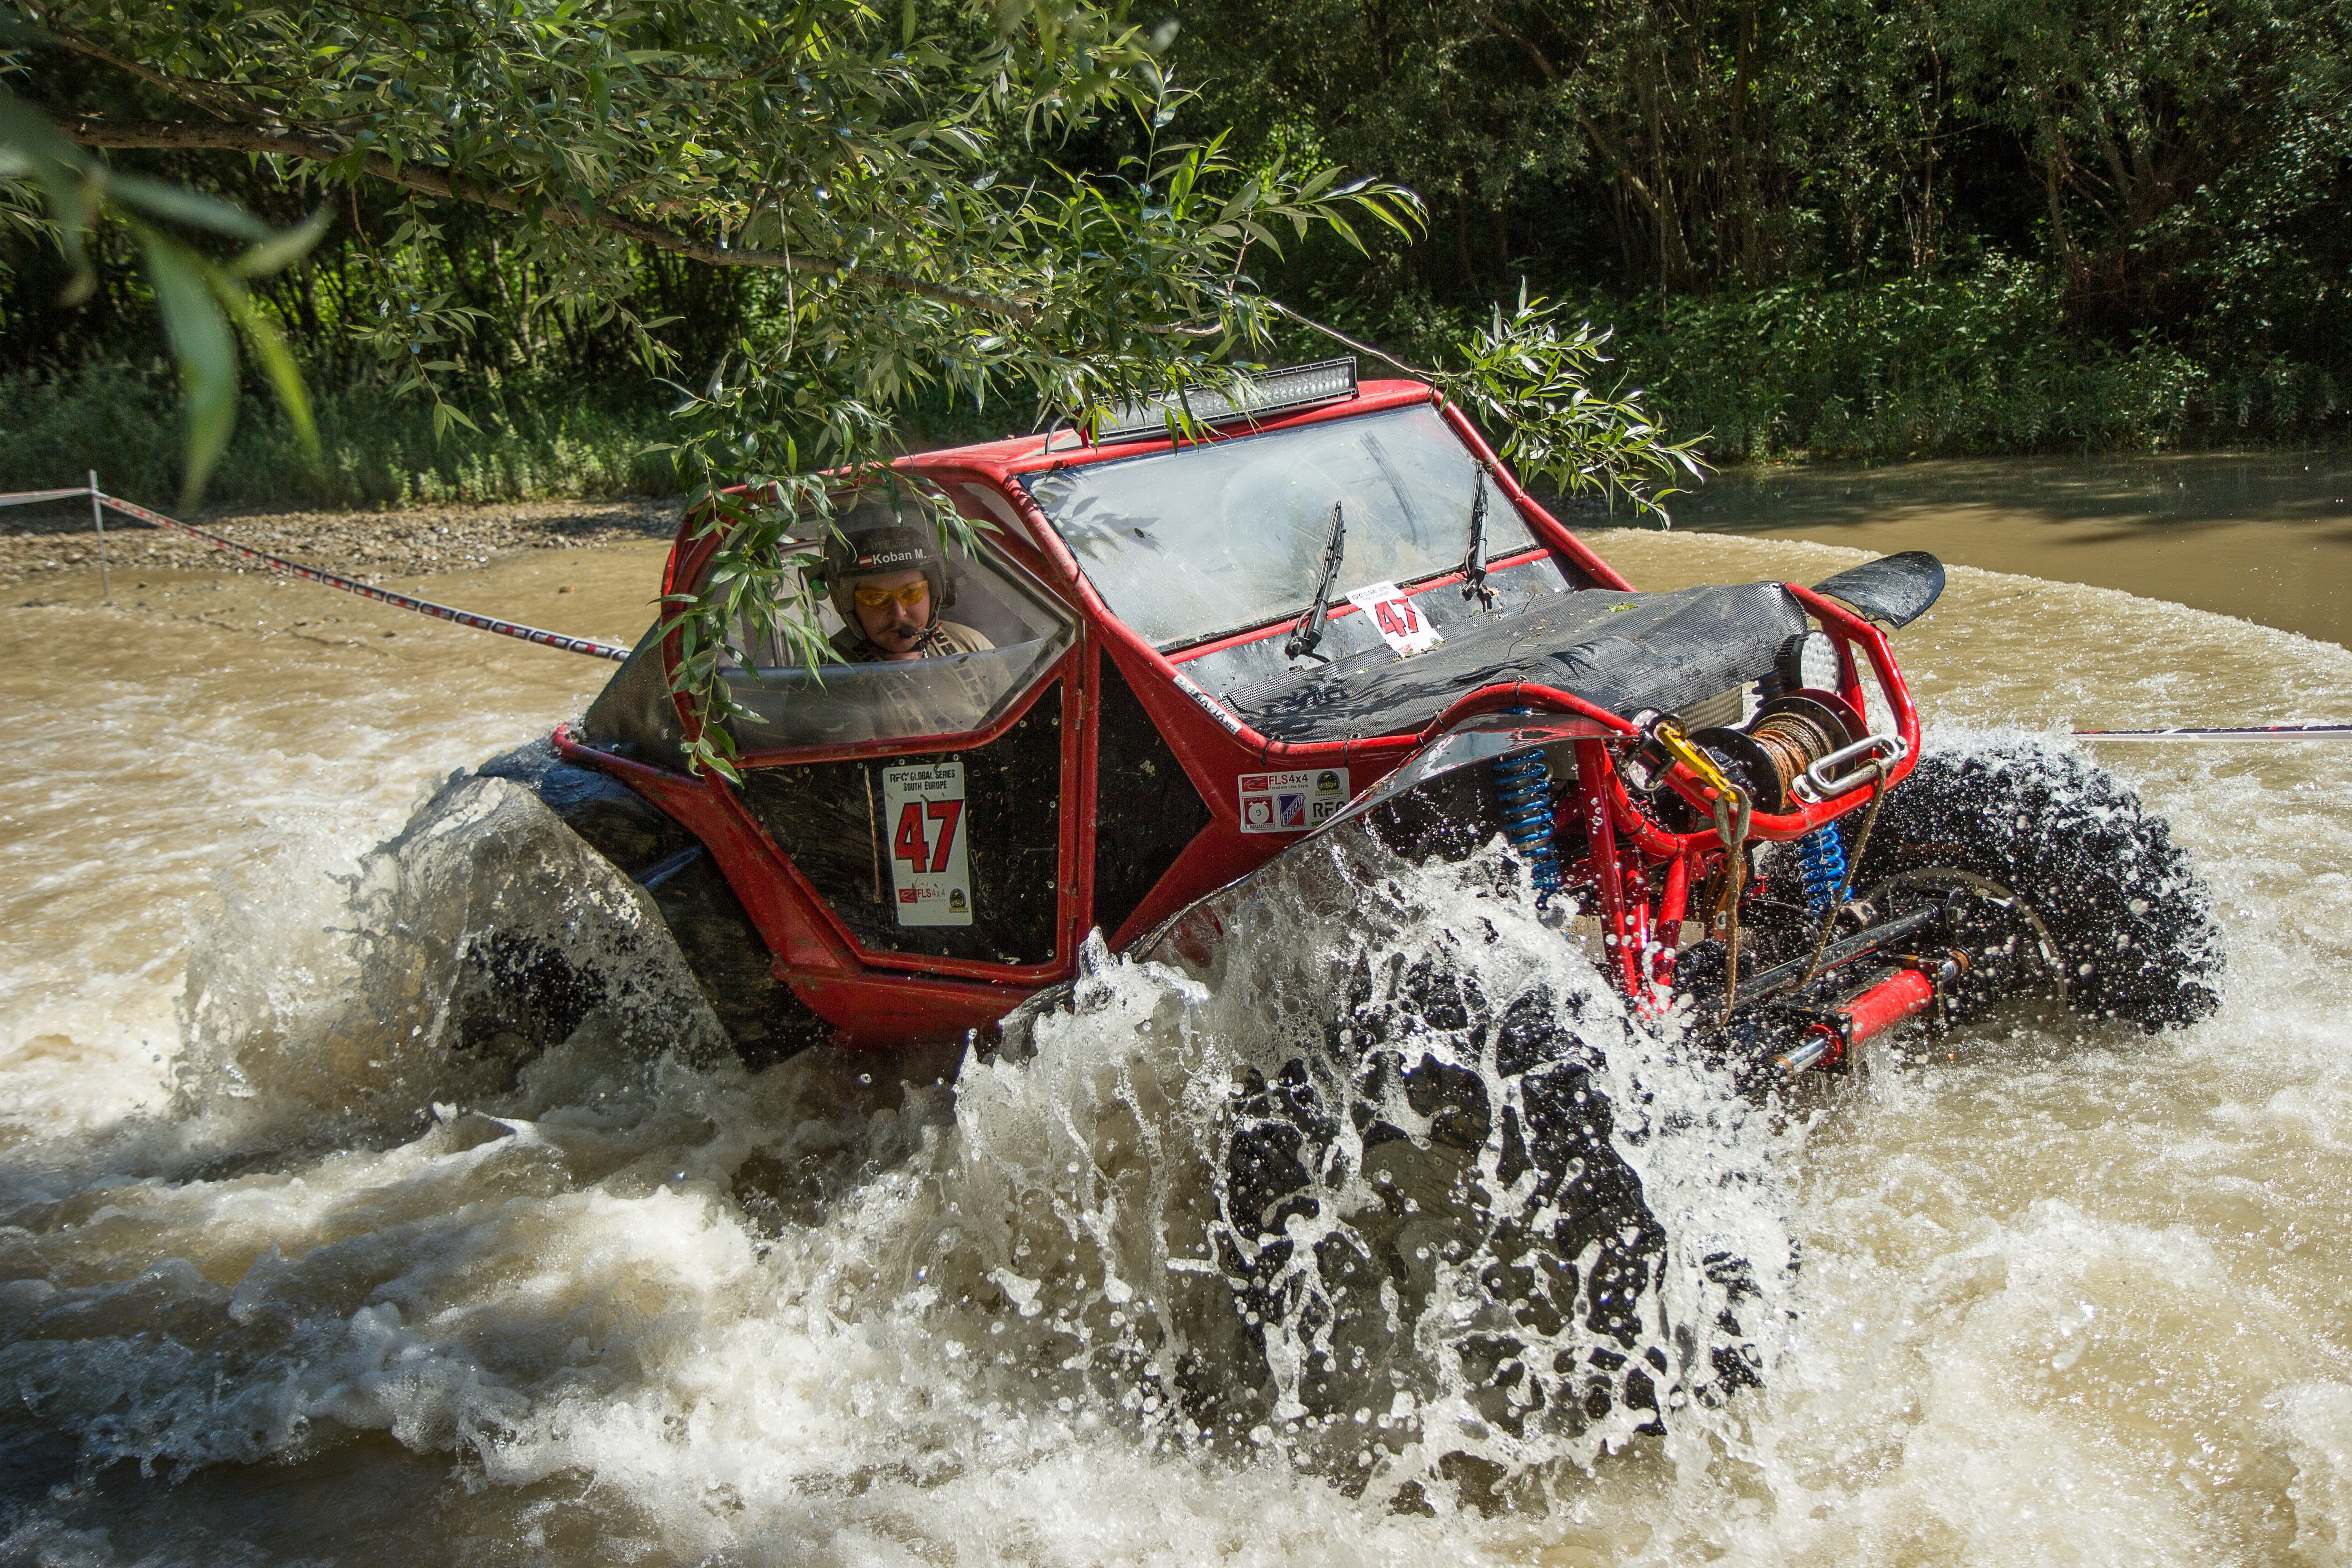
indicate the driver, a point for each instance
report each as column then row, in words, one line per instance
column 890, row 586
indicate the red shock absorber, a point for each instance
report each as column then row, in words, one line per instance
column 1906, row 994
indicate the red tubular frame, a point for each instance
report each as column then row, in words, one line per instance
column 1642, row 874
column 1625, row 847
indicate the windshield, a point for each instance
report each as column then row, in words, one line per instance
column 1185, row 544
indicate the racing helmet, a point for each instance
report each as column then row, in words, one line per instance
column 882, row 536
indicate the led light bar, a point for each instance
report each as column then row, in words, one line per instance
column 1257, row 398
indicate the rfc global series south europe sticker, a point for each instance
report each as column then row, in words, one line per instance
column 930, row 876
column 1292, row 803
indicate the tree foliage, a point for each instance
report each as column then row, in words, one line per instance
column 2183, row 168
column 892, row 176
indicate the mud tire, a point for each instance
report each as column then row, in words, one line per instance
column 2130, row 918
column 516, row 997
column 1434, row 1202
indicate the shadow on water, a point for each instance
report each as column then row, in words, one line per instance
column 2266, row 536
column 367, row 1500
column 384, row 1495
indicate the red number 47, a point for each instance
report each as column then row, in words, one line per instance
column 912, row 843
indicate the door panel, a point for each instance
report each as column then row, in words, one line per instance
column 848, row 830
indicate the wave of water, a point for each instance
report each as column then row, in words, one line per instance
column 2065, row 1295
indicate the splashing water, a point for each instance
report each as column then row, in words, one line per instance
column 327, row 1283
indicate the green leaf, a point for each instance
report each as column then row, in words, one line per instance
column 281, row 251
column 204, row 347
column 269, row 350
column 158, row 199
column 447, row 413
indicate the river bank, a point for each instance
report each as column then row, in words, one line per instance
column 2262, row 536
column 45, row 546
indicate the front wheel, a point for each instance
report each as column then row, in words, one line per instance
column 2107, row 907
column 1430, row 1214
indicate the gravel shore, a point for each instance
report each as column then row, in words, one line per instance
column 39, row 542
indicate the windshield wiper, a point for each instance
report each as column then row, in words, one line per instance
column 1309, row 630
column 1473, row 565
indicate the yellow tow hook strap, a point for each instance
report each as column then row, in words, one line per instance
column 1732, row 811
column 1669, row 734
column 1732, row 807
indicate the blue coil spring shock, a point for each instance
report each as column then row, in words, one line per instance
column 1524, row 784
column 1822, row 857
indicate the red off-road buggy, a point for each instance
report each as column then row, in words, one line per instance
column 1338, row 632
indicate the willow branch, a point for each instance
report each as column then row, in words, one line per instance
column 1336, row 335
column 65, row 38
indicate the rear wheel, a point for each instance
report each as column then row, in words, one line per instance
column 2110, row 911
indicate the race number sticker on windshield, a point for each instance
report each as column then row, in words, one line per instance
column 1292, row 803
column 922, row 811
column 1401, row 626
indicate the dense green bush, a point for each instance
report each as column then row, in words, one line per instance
column 1977, row 364
column 1854, row 228
column 124, row 421
column 1911, row 367
column 1921, row 366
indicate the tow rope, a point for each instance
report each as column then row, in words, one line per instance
column 560, row 640
column 2254, row 732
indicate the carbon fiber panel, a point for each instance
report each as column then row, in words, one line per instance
column 1624, row 652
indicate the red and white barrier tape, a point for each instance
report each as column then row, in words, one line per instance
column 567, row 643
column 2252, row 732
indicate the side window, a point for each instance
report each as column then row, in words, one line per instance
column 946, row 854
column 841, row 704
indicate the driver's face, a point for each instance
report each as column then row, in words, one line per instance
column 895, row 626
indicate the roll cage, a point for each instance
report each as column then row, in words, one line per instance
column 1121, row 778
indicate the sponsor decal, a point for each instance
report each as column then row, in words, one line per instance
column 1292, row 803
column 1208, row 704
column 1402, row 626
column 922, row 811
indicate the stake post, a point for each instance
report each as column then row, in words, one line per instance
column 98, row 520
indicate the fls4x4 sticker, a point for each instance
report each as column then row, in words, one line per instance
column 1292, row 803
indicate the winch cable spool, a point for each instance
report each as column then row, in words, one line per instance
column 1789, row 738
column 1792, row 740
column 560, row 641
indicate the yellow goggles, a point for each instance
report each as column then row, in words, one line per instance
column 910, row 596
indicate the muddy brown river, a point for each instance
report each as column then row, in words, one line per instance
column 267, row 1295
